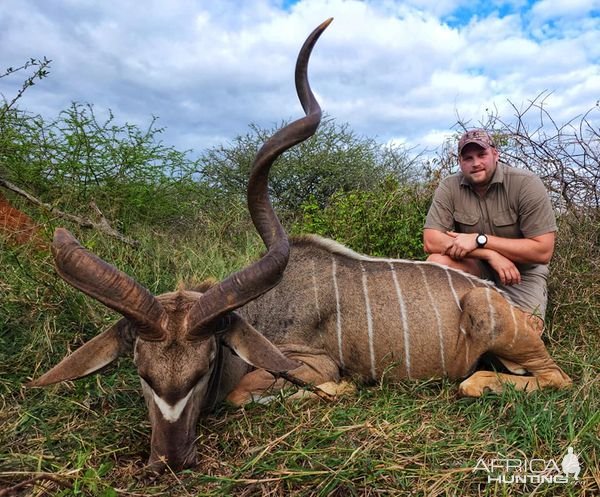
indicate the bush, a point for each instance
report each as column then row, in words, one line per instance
column 78, row 159
column 386, row 221
column 573, row 286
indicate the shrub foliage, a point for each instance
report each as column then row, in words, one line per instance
column 335, row 160
column 385, row 221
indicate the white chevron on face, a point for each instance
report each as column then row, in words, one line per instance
column 172, row 413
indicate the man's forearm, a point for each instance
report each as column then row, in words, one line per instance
column 536, row 250
column 435, row 242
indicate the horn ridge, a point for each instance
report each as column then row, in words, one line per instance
column 262, row 275
column 261, row 211
column 96, row 278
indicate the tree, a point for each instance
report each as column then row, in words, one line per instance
column 79, row 164
column 334, row 160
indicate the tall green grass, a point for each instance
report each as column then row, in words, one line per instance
column 91, row 437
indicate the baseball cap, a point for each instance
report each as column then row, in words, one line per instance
column 479, row 136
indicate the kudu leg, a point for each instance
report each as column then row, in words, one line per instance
column 259, row 385
column 489, row 319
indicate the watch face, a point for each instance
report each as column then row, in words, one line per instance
column 481, row 240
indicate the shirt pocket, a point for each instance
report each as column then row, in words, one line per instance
column 505, row 224
column 466, row 222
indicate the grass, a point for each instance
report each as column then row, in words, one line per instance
column 91, row 437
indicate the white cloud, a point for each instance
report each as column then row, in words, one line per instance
column 395, row 70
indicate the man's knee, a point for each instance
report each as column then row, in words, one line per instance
column 470, row 266
column 439, row 259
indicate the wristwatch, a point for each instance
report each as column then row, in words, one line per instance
column 481, row 240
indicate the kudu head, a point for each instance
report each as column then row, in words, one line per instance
column 177, row 338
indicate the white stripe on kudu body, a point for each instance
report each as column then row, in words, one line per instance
column 456, row 299
column 466, row 342
column 438, row 319
column 402, row 307
column 316, row 288
column 516, row 328
column 492, row 313
column 369, row 321
column 338, row 310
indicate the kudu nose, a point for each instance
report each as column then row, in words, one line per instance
column 175, row 461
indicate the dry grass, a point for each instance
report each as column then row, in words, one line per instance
column 91, row 437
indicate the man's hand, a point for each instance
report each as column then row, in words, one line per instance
column 462, row 244
column 505, row 268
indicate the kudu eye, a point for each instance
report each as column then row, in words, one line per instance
column 223, row 324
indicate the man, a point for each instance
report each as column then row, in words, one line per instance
column 494, row 221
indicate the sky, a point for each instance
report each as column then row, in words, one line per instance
column 402, row 72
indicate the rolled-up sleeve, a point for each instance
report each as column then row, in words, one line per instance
column 535, row 210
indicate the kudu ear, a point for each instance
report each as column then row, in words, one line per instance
column 90, row 357
column 254, row 348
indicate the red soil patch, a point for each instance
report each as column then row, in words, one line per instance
column 16, row 226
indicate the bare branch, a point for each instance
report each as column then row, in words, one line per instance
column 40, row 73
column 565, row 156
column 302, row 384
column 15, row 490
column 102, row 226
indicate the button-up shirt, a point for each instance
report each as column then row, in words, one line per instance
column 516, row 205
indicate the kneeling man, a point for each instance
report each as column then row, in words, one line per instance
column 496, row 222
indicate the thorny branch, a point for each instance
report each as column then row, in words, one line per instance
column 565, row 156
column 40, row 72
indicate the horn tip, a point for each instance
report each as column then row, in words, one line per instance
column 62, row 236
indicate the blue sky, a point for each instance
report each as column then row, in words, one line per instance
column 463, row 14
column 401, row 72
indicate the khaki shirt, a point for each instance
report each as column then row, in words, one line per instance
column 516, row 205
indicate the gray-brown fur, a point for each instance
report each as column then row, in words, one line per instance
column 425, row 321
column 290, row 313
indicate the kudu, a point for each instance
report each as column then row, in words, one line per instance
column 332, row 313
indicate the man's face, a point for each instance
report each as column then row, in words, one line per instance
column 478, row 164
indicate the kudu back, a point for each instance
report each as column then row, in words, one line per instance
column 312, row 308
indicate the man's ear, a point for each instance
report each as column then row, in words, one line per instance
column 254, row 348
column 90, row 357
